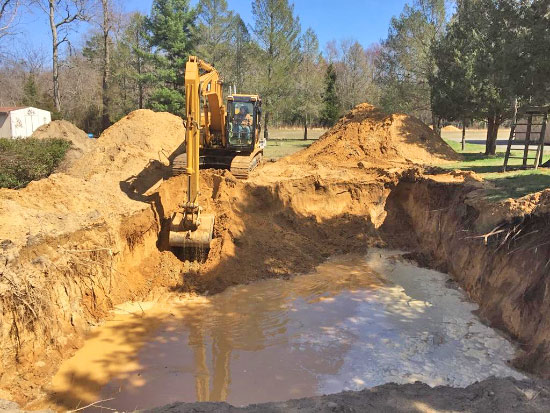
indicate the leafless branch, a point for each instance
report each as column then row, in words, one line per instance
column 8, row 12
column 92, row 404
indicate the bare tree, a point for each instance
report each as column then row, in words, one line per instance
column 62, row 14
column 8, row 13
column 106, row 27
column 355, row 68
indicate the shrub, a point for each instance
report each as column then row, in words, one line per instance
column 26, row 160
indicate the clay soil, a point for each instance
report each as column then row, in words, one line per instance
column 94, row 235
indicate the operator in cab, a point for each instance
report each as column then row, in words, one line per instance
column 243, row 120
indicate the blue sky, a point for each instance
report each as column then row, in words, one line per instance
column 364, row 20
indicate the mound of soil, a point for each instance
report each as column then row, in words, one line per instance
column 369, row 135
column 122, row 148
column 451, row 128
column 62, row 129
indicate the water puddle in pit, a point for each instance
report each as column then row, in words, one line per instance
column 356, row 322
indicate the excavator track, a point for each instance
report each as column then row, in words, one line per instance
column 242, row 165
column 179, row 164
column 239, row 165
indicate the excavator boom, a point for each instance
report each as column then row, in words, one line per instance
column 190, row 227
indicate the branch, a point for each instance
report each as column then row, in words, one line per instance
column 93, row 404
column 78, row 14
column 3, row 11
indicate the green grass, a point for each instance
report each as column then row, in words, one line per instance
column 295, row 133
column 514, row 183
column 26, row 160
column 279, row 148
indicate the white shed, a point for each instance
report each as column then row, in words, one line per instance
column 21, row 122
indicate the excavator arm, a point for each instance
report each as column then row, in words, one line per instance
column 191, row 228
column 214, row 111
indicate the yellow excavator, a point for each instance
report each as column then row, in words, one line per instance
column 216, row 137
column 229, row 135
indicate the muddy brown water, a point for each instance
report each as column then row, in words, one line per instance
column 357, row 321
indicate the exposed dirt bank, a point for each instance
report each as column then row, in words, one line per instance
column 491, row 395
column 74, row 245
column 498, row 252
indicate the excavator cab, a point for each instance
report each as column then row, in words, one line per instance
column 243, row 122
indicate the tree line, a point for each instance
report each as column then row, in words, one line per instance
column 479, row 64
column 132, row 61
column 468, row 65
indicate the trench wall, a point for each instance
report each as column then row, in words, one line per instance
column 506, row 273
column 52, row 292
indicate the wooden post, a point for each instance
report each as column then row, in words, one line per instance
column 463, row 134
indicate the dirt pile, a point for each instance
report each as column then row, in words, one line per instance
column 62, row 129
column 368, row 135
column 122, row 148
column 450, row 128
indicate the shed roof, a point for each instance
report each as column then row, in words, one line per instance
column 8, row 109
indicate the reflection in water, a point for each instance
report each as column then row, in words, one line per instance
column 353, row 323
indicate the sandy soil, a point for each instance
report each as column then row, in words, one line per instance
column 450, row 128
column 95, row 235
column 491, row 395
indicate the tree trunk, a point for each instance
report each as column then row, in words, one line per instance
column 305, row 127
column 140, row 85
column 436, row 122
column 266, row 121
column 105, row 121
column 463, row 134
column 55, row 58
column 493, row 122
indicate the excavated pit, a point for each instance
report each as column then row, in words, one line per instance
column 272, row 231
column 286, row 220
column 356, row 322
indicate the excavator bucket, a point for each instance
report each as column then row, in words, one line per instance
column 199, row 238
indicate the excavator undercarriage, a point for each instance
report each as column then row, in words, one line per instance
column 239, row 164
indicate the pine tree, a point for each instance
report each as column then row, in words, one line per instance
column 215, row 24
column 309, row 82
column 30, row 92
column 277, row 30
column 331, row 104
column 406, row 62
column 477, row 77
column 172, row 38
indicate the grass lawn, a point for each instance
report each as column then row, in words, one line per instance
column 295, row 133
column 283, row 142
column 510, row 184
column 278, row 148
